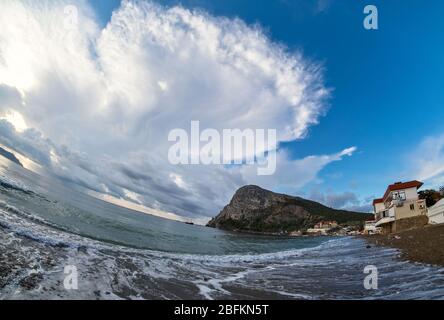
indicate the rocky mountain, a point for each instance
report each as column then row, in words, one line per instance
column 10, row 156
column 254, row 209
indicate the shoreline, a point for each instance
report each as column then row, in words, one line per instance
column 279, row 235
column 34, row 269
column 422, row 245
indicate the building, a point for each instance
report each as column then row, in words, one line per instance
column 323, row 227
column 326, row 225
column 371, row 228
column 399, row 203
column 436, row 213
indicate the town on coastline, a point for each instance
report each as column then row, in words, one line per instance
column 402, row 207
column 410, row 220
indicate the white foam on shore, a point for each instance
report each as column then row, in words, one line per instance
column 210, row 272
column 106, row 269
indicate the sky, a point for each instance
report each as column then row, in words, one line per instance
column 354, row 109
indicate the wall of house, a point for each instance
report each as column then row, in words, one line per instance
column 405, row 224
column 410, row 223
column 379, row 207
column 437, row 217
column 411, row 194
column 436, row 213
column 406, row 212
column 387, row 228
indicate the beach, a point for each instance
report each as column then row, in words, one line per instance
column 46, row 228
column 422, row 245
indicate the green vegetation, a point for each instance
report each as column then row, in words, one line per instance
column 253, row 209
column 286, row 222
column 258, row 224
column 431, row 196
column 326, row 213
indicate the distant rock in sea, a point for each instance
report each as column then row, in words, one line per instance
column 253, row 209
column 10, row 156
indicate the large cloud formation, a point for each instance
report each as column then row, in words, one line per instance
column 427, row 162
column 98, row 103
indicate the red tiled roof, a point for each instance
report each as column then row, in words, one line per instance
column 402, row 185
column 380, row 200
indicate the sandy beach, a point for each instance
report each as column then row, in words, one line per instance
column 418, row 245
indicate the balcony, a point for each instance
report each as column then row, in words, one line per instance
column 384, row 221
column 388, row 213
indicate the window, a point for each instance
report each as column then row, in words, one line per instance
column 400, row 195
column 412, row 207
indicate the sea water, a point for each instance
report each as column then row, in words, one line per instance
column 47, row 225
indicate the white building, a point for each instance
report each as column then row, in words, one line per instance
column 436, row 213
column 371, row 228
column 399, row 202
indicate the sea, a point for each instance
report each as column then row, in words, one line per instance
column 57, row 242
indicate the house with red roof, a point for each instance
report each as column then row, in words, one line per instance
column 400, row 202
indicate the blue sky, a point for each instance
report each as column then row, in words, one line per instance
column 387, row 83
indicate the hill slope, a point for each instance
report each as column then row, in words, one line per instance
column 10, row 156
column 258, row 210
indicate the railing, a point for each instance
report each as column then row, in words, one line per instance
column 381, row 215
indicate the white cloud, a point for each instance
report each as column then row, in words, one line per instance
column 16, row 119
column 342, row 200
column 290, row 174
column 427, row 162
column 100, row 103
column 9, row 97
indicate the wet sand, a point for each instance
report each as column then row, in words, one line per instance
column 423, row 245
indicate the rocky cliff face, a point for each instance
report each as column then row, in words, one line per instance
column 255, row 209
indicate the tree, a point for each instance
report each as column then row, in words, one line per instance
column 431, row 196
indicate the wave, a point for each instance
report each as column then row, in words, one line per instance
column 10, row 184
column 330, row 270
column 32, row 226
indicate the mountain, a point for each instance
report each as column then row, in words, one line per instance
column 254, row 209
column 10, row 156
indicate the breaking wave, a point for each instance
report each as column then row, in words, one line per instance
column 41, row 235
